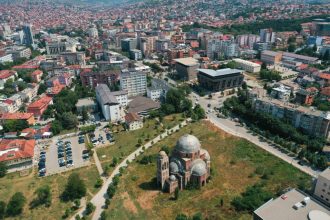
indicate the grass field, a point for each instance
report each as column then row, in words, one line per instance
column 126, row 141
column 12, row 183
column 234, row 163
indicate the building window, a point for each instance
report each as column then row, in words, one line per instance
column 322, row 196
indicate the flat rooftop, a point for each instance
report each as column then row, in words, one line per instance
column 189, row 61
column 85, row 102
column 221, row 72
column 291, row 206
column 326, row 174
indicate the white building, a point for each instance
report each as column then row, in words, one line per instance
column 6, row 75
column 135, row 83
column 92, row 32
column 109, row 105
column 322, row 187
column 248, row 65
column 158, row 89
column 281, row 92
column 122, row 97
column 133, row 121
column 6, row 58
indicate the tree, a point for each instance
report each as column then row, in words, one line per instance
column 89, row 208
column 3, row 169
column 114, row 161
column 15, row 125
column 56, row 127
column 42, row 88
column 75, row 188
column 252, row 198
column 69, row 120
column 292, row 48
column 2, row 209
column 16, row 204
column 176, row 193
column 197, row 216
column 111, row 190
column 43, row 197
column 104, row 216
column 84, row 114
column 181, row 216
column 98, row 183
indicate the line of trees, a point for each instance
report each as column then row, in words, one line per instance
column 274, row 127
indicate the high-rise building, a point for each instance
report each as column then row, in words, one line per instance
column 28, row 34
column 267, row 35
column 135, row 83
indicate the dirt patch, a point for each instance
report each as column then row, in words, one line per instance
column 128, row 203
column 214, row 128
column 146, row 200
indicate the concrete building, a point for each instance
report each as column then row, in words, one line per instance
column 281, row 92
column 135, row 83
column 74, row 58
column 86, row 103
column 187, row 68
column 158, row 90
column 108, row 104
column 93, row 78
column 142, row 106
column 219, row 80
column 122, row 97
column 293, row 204
column 311, row 121
column 8, row 58
column 189, row 163
column 28, row 35
column 271, row 57
column 57, row 46
column 322, row 187
column 19, row 52
column 39, row 106
column 6, row 75
column 135, row 54
column 248, row 65
column 267, row 36
column 92, row 32
column 17, row 153
column 133, row 121
column 128, row 44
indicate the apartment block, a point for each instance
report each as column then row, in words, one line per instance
column 134, row 82
column 248, row 65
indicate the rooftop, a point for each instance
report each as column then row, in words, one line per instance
column 131, row 117
column 189, row 61
column 326, row 174
column 85, row 102
column 220, row 72
column 16, row 149
column 16, row 116
column 45, row 100
column 105, row 94
column 140, row 104
column 293, row 205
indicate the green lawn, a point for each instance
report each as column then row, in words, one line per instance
column 126, row 142
column 234, row 162
column 12, row 183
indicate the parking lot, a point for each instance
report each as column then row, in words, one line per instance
column 63, row 155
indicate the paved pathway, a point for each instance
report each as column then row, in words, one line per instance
column 98, row 165
column 99, row 198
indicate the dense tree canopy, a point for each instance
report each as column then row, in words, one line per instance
column 75, row 188
column 16, row 204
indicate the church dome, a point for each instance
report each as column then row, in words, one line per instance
column 198, row 168
column 188, row 144
column 174, row 167
column 207, row 155
column 172, row 178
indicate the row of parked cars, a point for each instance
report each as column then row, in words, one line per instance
column 42, row 164
column 64, row 153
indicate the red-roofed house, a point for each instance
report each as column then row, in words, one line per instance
column 133, row 121
column 17, row 153
column 325, row 77
column 36, row 76
column 29, row 117
column 6, row 75
column 38, row 107
column 52, row 91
